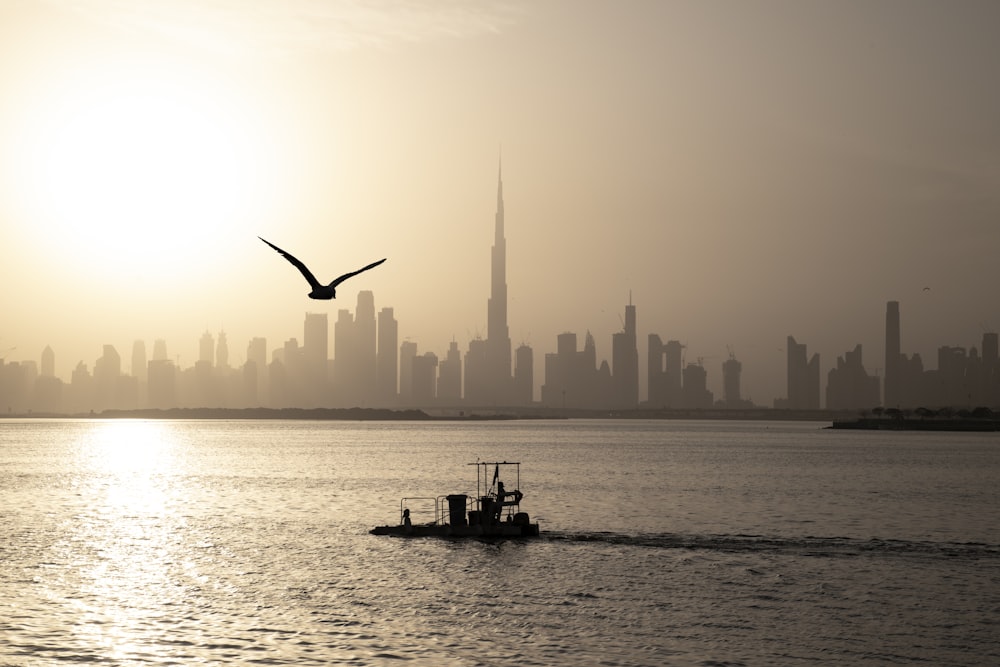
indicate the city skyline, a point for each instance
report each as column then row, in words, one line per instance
column 488, row 369
column 305, row 375
column 746, row 172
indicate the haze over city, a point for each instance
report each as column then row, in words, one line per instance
column 745, row 171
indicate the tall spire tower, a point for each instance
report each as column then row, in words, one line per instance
column 498, row 335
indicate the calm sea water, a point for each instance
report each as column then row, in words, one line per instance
column 664, row 543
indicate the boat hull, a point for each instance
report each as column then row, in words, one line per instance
column 492, row 531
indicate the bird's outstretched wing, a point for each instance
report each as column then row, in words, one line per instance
column 297, row 264
column 354, row 273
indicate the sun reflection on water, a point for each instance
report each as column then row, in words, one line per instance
column 129, row 535
column 128, row 445
column 138, row 455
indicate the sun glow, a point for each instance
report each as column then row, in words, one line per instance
column 130, row 165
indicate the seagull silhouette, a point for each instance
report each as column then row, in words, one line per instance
column 319, row 291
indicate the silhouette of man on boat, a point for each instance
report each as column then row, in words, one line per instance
column 501, row 500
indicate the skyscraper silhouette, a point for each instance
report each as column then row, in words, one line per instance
column 803, row 377
column 387, row 357
column 222, row 351
column 524, row 375
column 107, row 370
column 316, row 351
column 991, row 370
column 206, row 349
column 449, row 388
column 365, row 336
column 892, row 353
column 138, row 361
column 625, row 362
column 355, row 348
column 162, row 389
column 498, row 335
column 732, row 369
column 664, row 377
column 48, row 362
column 495, row 384
column 407, row 353
column 849, row 387
column 257, row 369
column 423, row 379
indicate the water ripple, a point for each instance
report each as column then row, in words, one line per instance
column 828, row 547
column 247, row 543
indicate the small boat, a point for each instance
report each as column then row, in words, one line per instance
column 493, row 513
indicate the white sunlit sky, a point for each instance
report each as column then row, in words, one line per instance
column 742, row 171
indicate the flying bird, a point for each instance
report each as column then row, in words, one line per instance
column 319, row 291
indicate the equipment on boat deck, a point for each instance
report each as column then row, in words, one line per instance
column 494, row 512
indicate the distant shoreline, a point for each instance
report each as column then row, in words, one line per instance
column 983, row 424
column 444, row 414
column 846, row 420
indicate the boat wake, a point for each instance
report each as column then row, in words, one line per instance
column 825, row 547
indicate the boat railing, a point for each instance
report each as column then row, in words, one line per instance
column 422, row 510
column 453, row 509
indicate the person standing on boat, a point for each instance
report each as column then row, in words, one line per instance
column 501, row 500
column 406, row 519
column 498, row 503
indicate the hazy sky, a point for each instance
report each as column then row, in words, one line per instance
column 746, row 170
